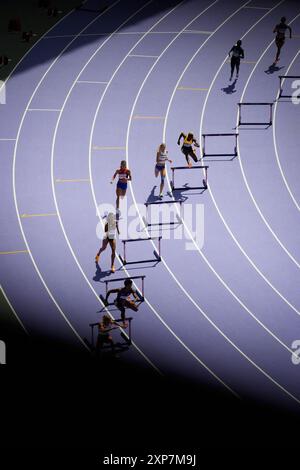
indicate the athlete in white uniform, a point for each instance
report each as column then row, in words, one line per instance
column 111, row 227
column 160, row 167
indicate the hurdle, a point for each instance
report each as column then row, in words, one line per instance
column 157, row 255
column 188, row 188
column 161, row 224
column 234, row 154
column 241, row 123
column 281, row 79
column 127, row 339
column 141, row 294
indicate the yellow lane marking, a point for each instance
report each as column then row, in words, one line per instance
column 257, row 8
column 191, row 88
column 26, row 216
column 13, row 252
column 194, row 31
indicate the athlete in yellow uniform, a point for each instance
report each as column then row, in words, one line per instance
column 187, row 147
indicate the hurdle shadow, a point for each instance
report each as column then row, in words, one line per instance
column 180, row 196
column 99, row 274
column 152, row 197
column 273, row 69
column 229, row 159
column 260, row 128
column 230, row 89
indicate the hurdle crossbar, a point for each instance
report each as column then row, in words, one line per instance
column 269, row 123
column 281, row 79
column 153, row 260
column 160, row 224
column 234, row 154
column 188, row 188
column 140, row 294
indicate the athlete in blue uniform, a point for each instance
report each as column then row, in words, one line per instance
column 124, row 176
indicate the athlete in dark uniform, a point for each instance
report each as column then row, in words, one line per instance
column 187, row 146
column 237, row 53
column 280, row 30
column 123, row 299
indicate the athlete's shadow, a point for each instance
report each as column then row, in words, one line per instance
column 230, row 89
column 99, row 274
column 272, row 69
column 152, row 197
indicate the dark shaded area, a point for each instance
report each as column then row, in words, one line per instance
column 36, row 19
column 57, row 398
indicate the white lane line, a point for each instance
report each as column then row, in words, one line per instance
column 100, row 218
column 13, row 310
column 277, row 384
column 14, row 179
column 242, row 167
column 275, row 140
column 7, row 140
column 139, row 350
column 223, row 219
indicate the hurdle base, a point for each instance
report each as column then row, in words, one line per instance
column 127, row 340
column 220, row 155
column 143, row 261
column 189, row 188
column 255, row 123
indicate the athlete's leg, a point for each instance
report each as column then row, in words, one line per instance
column 113, row 254
column 121, row 306
column 103, row 247
column 279, row 44
column 131, row 305
column 193, row 155
column 185, row 152
column 232, row 65
column 162, row 175
column 237, row 68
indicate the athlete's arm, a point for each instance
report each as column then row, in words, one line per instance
column 179, row 138
column 275, row 30
column 112, row 291
column 290, row 30
column 242, row 54
column 129, row 177
column 116, row 172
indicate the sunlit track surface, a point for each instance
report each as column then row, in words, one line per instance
column 102, row 85
column 286, row 138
